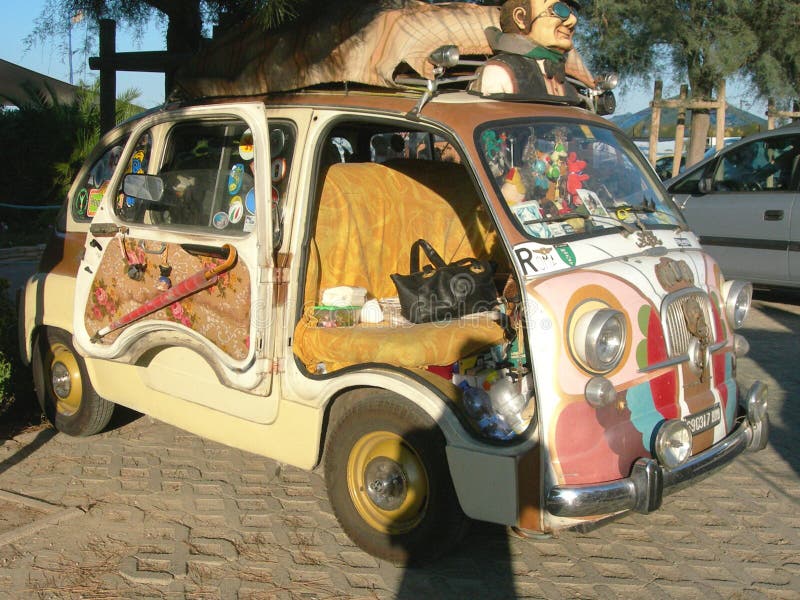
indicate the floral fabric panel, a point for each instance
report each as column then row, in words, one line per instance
column 134, row 272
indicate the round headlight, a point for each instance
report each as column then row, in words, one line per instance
column 599, row 339
column 738, row 295
column 673, row 443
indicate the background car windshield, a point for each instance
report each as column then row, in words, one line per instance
column 566, row 179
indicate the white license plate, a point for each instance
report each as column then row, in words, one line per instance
column 703, row 420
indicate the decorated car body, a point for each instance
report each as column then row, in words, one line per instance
column 228, row 265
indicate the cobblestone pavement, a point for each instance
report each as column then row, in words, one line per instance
column 148, row 511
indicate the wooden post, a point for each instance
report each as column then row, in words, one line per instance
column 108, row 75
column 655, row 121
column 721, row 116
column 680, row 129
column 771, row 114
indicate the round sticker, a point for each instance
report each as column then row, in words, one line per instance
column 82, row 202
column 250, row 201
column 235, row 179
column 277, row 139
column 220, row 220
column 278, row 169
column 235, row 210
column 246, row 149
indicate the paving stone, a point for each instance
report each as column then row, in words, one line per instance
column 170, row 515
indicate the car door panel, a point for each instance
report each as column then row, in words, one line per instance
column 175, row 273
column 736, row 230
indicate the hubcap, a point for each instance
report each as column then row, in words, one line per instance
column 65, row 380
column 387, row 482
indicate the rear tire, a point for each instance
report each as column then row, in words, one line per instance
column 389, row 483
column 63, row 389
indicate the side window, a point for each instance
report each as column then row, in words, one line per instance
column 126, row 207
column 690, row 184
column 282, row 138
column 766, row 164
column 417, row 145
column 88, row 196
column 207, row 171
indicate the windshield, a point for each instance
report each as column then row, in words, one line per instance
column 572, row 179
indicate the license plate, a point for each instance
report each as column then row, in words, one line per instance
column 703, row 420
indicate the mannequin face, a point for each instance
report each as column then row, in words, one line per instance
column 553, row 24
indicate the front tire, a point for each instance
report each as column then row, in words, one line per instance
column 63, row 389
column 389, row 483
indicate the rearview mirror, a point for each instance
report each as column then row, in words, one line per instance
column 705, row 185
column 143, row 187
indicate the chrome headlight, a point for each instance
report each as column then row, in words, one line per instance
column 598, row 339
column 738, row 296
column 673, row 445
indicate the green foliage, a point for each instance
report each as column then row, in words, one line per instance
column 43, row 143
column 705, row 42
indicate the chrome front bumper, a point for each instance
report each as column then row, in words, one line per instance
column 649, row 482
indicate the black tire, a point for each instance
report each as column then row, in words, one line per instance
column 417, row 518
column 73, row 407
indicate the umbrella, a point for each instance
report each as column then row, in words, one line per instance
column 194, row 283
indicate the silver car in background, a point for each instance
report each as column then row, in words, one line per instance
column 744, row 204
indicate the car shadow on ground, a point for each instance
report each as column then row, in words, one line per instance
column 769, row 350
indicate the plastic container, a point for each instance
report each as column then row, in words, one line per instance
column 337, row 316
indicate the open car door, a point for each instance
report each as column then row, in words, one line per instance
column 174, row 263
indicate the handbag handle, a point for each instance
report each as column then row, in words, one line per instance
column 432, row 255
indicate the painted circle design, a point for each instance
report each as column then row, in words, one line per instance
column 221, row 220
column 235, row 179
column 246, row 147
column 236, row 210
column 82, row 202
column 250, row 201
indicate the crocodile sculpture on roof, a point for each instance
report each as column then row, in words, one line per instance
column 366, row 45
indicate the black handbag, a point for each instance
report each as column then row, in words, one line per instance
column 443, row 291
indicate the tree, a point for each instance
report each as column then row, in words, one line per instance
column 705, row 41
column 185, row 19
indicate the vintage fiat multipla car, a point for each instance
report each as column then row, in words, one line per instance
column 224, row 264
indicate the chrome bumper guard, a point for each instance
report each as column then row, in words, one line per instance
column 649, row 482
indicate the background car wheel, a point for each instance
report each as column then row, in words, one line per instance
column 389, row 483
column 63, row 388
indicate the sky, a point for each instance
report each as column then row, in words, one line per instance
column 18, row 22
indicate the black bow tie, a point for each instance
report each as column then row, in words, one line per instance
column 555, row 69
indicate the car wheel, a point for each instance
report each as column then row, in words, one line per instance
column 63, row 389
column 389, row 483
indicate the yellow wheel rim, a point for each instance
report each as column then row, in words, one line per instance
column 65, row 380
column 387, row 482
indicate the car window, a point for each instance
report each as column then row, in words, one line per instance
column 207, row 170
column 282, row 139
column 765, row 164
column 89, row 194
column 126, row 207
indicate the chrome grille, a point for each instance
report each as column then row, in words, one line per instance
column 674, row 321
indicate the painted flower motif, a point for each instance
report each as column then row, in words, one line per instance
column 100, row 295
column 177, row 311
column 97, row 314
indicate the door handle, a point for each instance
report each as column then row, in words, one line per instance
column 773, row 215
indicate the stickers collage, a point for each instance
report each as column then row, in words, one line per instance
column 555, row 191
